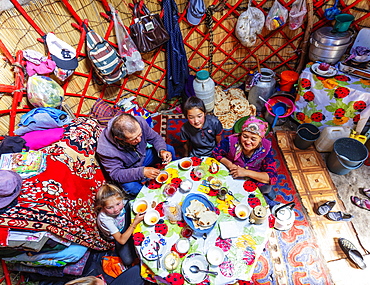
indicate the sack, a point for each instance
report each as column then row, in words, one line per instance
column 148, row 32
column 250, row 23
column 297, row 14
column 107, row 63
column 126, row 46
column 277, row 16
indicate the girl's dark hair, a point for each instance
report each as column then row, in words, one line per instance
column 105, row 192
column 193, row 102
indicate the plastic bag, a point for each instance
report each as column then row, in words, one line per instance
column 249, row 24
column 277, row 16
column 126, row 47
column 297, row 14
column 43, row 91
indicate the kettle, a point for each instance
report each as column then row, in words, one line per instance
column 284, row 216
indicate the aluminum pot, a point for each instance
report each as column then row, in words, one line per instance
column 327, row 46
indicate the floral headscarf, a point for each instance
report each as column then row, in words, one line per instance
column 255, row 126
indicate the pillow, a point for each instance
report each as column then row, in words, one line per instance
column 38, row 139
column 103, row 112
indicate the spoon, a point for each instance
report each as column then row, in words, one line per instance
column 265, row 101
column 156, row 248
column 195, row 269
column 204, row 236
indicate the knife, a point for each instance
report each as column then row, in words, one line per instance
column 161, row 279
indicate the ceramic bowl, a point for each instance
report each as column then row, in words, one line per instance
column 215, row 255
column 185, row 164
column 140, row 206
column 242, row 211
column 151, row 217
column 162, row 177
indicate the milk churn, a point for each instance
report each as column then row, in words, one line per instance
column 265, row 87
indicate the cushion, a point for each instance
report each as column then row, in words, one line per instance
column 103, row 112
column 38, row 139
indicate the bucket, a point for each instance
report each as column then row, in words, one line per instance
column 337, row 166
column 204, row 88
column 287, row 80
column 306, row 135
column 342, row 22
column 350, row 151
column 269, row 114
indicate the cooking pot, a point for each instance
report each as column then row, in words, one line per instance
column 329, row 46
column 284, row 216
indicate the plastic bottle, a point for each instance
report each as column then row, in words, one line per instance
column 329, row 135
column 204, row 88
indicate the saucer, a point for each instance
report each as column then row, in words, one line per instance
column 332, row 71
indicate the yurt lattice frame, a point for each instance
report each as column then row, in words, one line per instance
column 278, row 50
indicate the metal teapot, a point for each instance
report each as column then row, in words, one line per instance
column 284, row 216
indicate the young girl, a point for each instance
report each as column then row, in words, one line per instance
column 114, row 221
column 201, row 133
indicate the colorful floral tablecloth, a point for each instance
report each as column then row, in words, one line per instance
column 241, row 251
column 342, row 100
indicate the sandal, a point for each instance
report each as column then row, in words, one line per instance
column 352, row 253
column 339, row 216
column 361, row 203
column 366, row 192
column 325, row 208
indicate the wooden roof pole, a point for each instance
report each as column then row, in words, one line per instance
column 306, row 35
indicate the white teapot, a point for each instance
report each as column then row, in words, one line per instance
column 284, row 216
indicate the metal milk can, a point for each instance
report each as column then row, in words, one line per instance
column 265, row 87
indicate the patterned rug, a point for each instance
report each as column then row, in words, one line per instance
column 291, row 257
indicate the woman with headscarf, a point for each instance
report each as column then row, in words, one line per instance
column 248, row 155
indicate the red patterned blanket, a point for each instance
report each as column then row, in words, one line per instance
column 61, row 199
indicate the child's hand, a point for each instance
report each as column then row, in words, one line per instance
column 139, row 217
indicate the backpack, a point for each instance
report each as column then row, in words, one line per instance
column 107, row 63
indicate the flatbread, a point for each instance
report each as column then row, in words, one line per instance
column 203, row 218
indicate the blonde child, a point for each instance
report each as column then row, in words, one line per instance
column 114, row 221
column 201, row 133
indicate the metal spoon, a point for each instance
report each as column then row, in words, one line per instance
column 156, row 248
column 195, row 269
column 265, row 101
column 204, row 236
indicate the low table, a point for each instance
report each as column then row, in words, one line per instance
column 242, row 245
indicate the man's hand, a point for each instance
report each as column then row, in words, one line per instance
column 166, row 156
column 151, row 172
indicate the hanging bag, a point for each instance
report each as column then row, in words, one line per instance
column 107, row 63
column 148, row 31
column 249, row 24
column 126, row 46
column 297, row 14
column 277, row 16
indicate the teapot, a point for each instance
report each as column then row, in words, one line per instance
column 258, row 215
column 284, row 216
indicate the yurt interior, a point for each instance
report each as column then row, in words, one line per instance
column 301, row 67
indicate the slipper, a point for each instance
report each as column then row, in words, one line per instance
column 366, row 192
column 339, row 216
column 325, row 208
column 361, row 203
column 352, row 253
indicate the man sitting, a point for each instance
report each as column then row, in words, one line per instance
column 128, row 149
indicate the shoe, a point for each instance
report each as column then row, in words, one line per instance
column 339, row 216
column 361, row 203
column 366, row 192
column 325, row 208
column 352, row 253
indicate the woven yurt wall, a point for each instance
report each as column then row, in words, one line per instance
column 278, row 49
